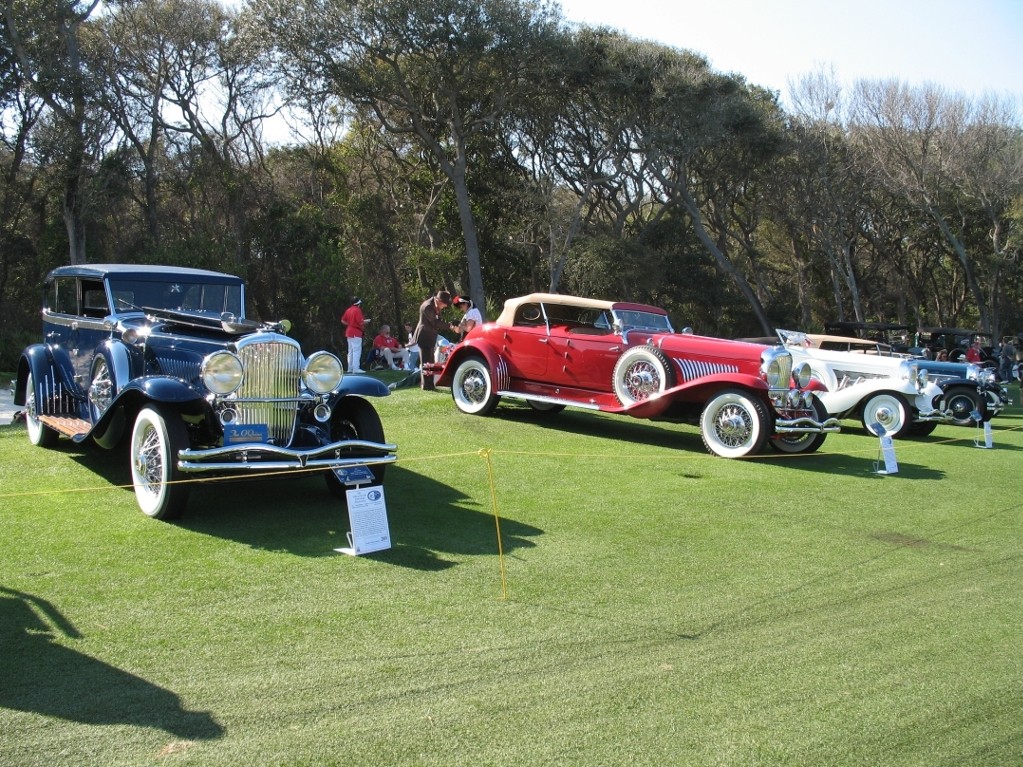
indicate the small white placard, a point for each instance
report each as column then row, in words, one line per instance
column 988, row 437
column 891, row 466
column 367, row 513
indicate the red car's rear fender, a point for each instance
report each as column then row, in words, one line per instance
column 471, row 347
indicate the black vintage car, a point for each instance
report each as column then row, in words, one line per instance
column 166, row 357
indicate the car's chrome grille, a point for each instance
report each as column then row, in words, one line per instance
column 269, row 393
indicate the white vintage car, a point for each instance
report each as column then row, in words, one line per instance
column 881, row 391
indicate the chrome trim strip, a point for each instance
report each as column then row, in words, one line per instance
column 806, row 425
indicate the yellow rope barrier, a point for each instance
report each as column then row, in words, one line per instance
column 485, row 453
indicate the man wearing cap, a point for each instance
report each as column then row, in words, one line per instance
column 429, row 327
column 355, row 326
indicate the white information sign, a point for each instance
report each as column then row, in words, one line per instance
column 367, row 513
column 988, row 437
column 891, row 466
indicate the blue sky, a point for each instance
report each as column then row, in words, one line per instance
column 971, row 47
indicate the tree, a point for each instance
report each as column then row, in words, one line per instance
column 954, row 160
column 45, row 39
column 440, row 71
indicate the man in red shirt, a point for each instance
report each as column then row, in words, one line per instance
column 390, row 349
column 355, row 323
column 973, row 353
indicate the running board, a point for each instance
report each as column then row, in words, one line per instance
column 71, row 427
column 549, row 400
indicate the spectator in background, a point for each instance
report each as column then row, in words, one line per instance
column 471, row 317
column 973, row 353
column 429, row 327
column 355, row 328
column 1006, row 358
column 390, row 349
column 413, row 348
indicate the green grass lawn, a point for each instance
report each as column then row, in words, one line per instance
column 658, row 606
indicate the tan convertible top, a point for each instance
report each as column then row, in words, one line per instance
column 513, row 305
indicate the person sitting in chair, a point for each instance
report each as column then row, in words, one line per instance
column 389, row 348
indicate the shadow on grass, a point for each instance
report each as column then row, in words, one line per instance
column 658, row 434
column 301, row 516
column 43, row 677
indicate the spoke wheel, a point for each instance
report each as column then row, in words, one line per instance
column 734, row 424
column 355, row 418
column 101, row 390
column 641, row 373
column 39, row 434
column 801, row 443
column 962, row 403
column 156, row 440
column 472, row 388
column 890, row 410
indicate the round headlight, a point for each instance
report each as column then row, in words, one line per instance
column 222, row 372
column 776, row 367
column 921, row 378
column 322, row 373
column 801, row 375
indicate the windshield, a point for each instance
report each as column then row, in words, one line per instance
column 177, row 295
column 633, row 319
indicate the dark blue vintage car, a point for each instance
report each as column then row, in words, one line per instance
column 166, row 357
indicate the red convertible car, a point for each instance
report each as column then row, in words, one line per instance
column 555, row 351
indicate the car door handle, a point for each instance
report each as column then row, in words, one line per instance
column 542, row 340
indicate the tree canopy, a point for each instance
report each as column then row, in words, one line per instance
column 327, row 148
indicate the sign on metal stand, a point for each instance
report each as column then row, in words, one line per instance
column 367, row 512
column 891, row 466
column 988, row 436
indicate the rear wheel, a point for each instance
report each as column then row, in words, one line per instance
column 101, row 390
column 473, row 387
column 890, row 411
column 734, row 424
column 159, row 435
column 546, row 408
column 39, row 434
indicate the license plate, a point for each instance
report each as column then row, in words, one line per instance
column 237, row 434
column 353, row 475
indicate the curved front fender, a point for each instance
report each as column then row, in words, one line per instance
column 363, row 386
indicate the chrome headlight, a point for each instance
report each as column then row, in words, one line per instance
column 985, row 376
column 322, row 373
column 801, row 375
column 908, row 371
column 222, row 372
column 922, row 378
column 776, row 367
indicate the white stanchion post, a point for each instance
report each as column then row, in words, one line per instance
column 887, row 452
column 988, row 442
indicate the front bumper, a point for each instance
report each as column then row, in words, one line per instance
column 806, row 425
column 258, row 457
